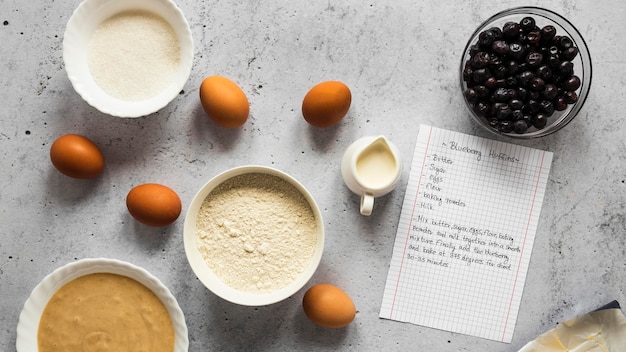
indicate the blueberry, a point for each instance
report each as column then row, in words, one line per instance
column 486, row 38
column 548, row 33
column 516, row 51
column 534, row 94
column 569, row 53
column 480, row 60
column 571, row 97
column 517, row 115
column 534, row 59
column 544, row 72
column 467, row 74
column 480, row 75
column 494, row 59
column 537, row 84
column 527, row 24
column 482, row 91
column 505, row 126
column 572, row 83
column 533, row 106
column 520, row 126
column 471, row 95
column 501, row 95
column 525, row 78
column 511, row 67
column 560, row 104
column 516, row 104
column 550, row 91
column 474, row 49
column 547, row 107
column 510, row 30
column 553, row 61
column 522, row 93
column 500, row 47
column 502, row 111
column 500, row 71
column 534, row 37
column 559, row 79
column 540, row 121
column 566, row 67
column 553, row 50
column 497, row 32
column 511, row 81
column 492, row 83
column 565, row 42
column 523, row 66
column 481, row 108
column 522, row 37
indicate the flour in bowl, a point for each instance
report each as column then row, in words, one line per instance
column 256, row 232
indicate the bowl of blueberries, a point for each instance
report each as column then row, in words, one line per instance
column 525, row 73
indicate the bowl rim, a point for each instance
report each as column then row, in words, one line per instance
column 28, row 323
column 81, row 25
column 584, row 57
column 209, row 279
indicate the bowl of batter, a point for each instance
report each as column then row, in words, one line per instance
column 101, row 304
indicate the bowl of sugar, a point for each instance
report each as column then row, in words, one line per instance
column 128, row 58
column 253, row 235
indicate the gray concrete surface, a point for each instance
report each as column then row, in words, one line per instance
column 401, row 60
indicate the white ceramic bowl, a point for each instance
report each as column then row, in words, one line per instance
column 83, row 23
column 28, row 324
column 210, row 279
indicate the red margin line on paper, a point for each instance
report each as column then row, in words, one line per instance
column 395, row 292
column 532, row 207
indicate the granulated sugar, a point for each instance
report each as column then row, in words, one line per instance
column 133, row 55
column 257, row 232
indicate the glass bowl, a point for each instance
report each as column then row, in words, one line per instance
column 481, row 102
column 247, row 229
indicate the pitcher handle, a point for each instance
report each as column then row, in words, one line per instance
column 367, row 204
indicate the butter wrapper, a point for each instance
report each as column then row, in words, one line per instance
column 603, row 330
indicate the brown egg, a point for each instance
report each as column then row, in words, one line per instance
column 326, row 103
column 328, row 306
column 224, row 102
column 76, row 156
column 153, row 204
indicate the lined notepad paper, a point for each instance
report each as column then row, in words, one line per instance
column 466, row 234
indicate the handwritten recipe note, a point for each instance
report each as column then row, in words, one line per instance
column 465, row 234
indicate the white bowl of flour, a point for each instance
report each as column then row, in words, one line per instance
column 128, row 58
column 253, row 235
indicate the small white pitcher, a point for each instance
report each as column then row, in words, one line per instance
column 371, row 167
